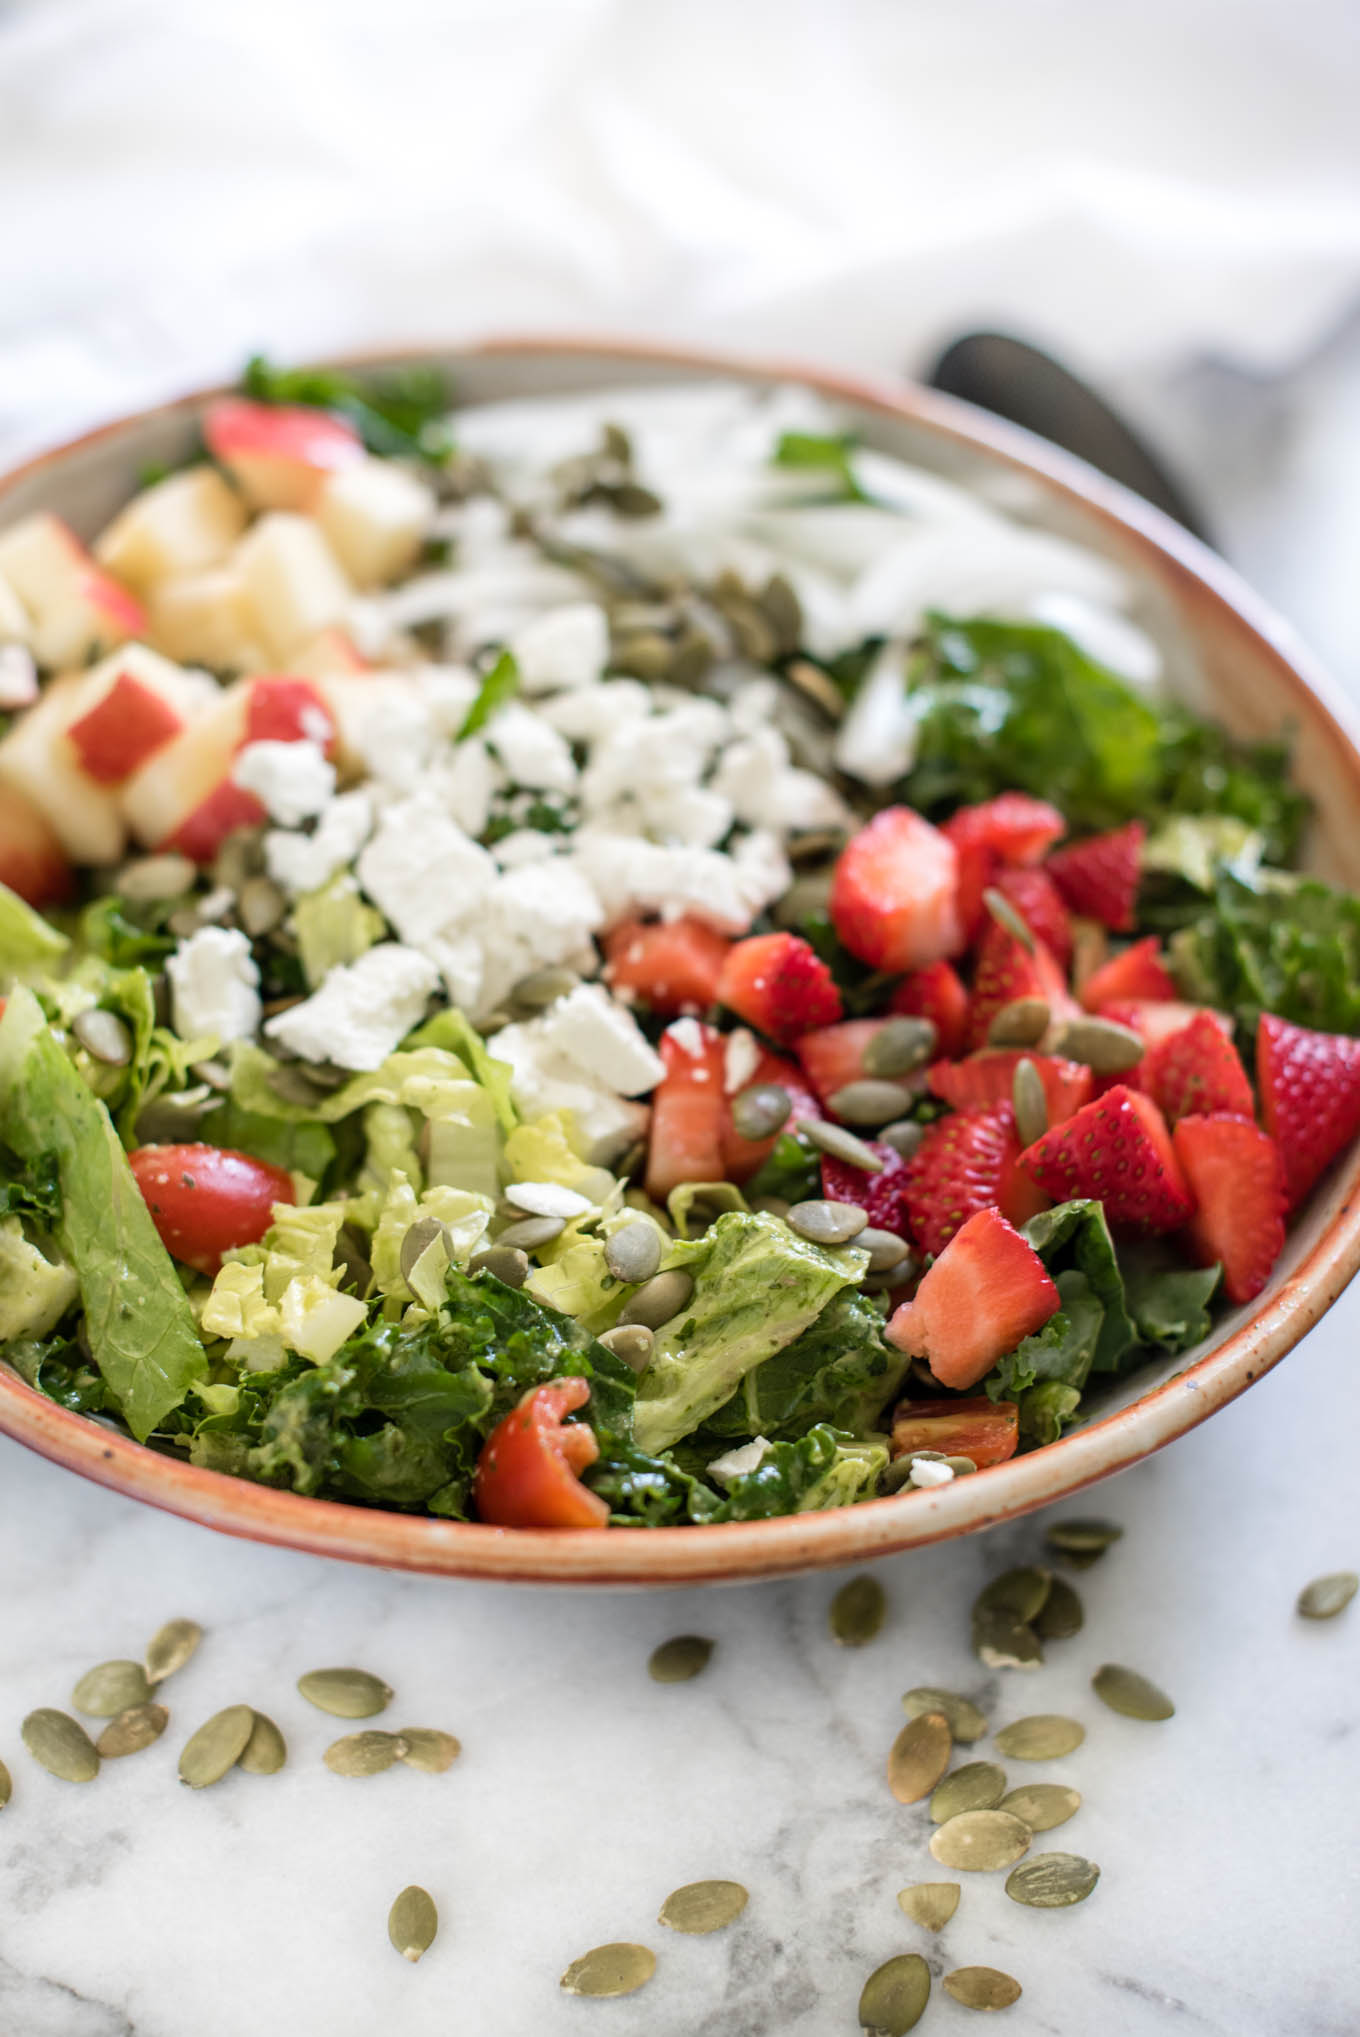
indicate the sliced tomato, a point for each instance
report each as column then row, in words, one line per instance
column 207, row 1200
column 987, row 1431
column 528, row 1475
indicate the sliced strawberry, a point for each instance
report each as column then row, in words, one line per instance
column 988, row 1078
column 1158, row 1018
column 936, row 993
column 673, row 965
column 1040, row 905
column 1235, row 1176
column 1196, row 1071
column 742, row 1157
column 1118, row 1151
column 987, row 1291
column 986, row 1431
column 1310, row 1097
column 1012, row 828
column 1007, row 970
column 685, row 1142
column 281, row 709
column 883, row 1196
column 834, row 1055
column 1137, row 972
column 778, row 984
column 961, row 1165
column 893, row 894
column 1099, row 877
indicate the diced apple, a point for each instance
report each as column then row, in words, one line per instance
column 208, row 619
column 40, row 557
column 75, row 609
column 32, row 861
column 16, row 625
column 183, row 524
column 227, row 807
column 160, row 797
column 282, row 709
column 331, row 652
column 295, row 586
column 278, row 454
column 375, row 516
column 37, row 761
column 128, row 724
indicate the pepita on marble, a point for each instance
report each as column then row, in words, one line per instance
column 1044, row 1736
column 367, row 1753
column 6, row 1785
column 412, row 1923
column 678, row 1660
column 966, row 1722
column 345, row 1693
column 171, row 1648
column 110, row 1688
column 1021, row 1593
column 216, row 1747
column 138, row 1727
column 982, row 1987
column 1082, row 1537
column 857, row 1612
column 427, row 1749
column 893, row 1999
column 617, row 1969
column 1003, row 1642
column 1325, row 1597
column 266, row 1750
column 1124, row 1690
column 1052, row 1881
column 61, row 1746
column 1062, row 1613
column 977, row 1786
column 703, row 1906
column 1042, row 1805
column 919, row 1757
column 929, row 1903
column 980, row 1842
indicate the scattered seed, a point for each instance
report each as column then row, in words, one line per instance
column 1124, row 1690
column 1008, row 919
column 427, row 1749
column 659, row 1299
column 542, row 987
column 61, row 1746
column 645, row 654
column 547, row 1199
column 1082, row 1538
column 1021, row 1023
column 893, row 1999
column 857, row 1612
column 1003, row 1642
column 1029, row 1103
column 366, row 1753
column 1044, row 1736
column 900, row 1047
column 529, row 1233
column 904, row 1137
column 678, row 1660
column 783, row 611
column 816, row 685
column 1103, row 1045
column 412, row 1923
column 982, row 1987
column 633, row 1253
column 886, row 1250
column 132, row 1730
column 104, row 1035
column 814, row 845
column 841, row 1145
column 633, row 1342
column 919, row 1757
column 966, row 1722
column 110, row 1688
column 260, row 906
column 1041, row 1805
column 505, row 1262
column 960, row 1466
column 1062, row 1613
column 1052, row 1881
column 345, row 1693
column 418, row 1241
column 870, row 1102
column 617, row 1969
column 930, row 1903
column 1022, row 1593
column 6, row 1785
column 1325, row 1597
column 977, row 1786
column 703, row 1906
column 150, row 879
column 761, row 1110
column 827, row 1223
column 691, row 656
column 980, row 1841
column 266, row 1750
column 216, row 1747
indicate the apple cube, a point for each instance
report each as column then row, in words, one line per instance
column 76, row 610
column 279, row 455
column 159, row 797
column 226, row 808
column 282, row 709
column 208, row 619
column 37, row 761
column 15, row 625
column 375, row 516
column 128, row 724
column 183, row 524
column 331, row 653
column 32, row 860
column 40, row 557
column 295, row 586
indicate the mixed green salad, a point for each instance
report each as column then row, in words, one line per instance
column 624, row 961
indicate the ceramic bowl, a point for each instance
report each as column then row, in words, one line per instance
column 1226, row 653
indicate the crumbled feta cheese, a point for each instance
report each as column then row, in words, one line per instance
column 636, row 876
column 567, row 647
column 688, row 1035
column 877, row 739
column 292, row 781
column 761, row 870
column 362, row 1011
column 735, row 1464
column 422, row 871
column 605, row 1039
column 525, row 846
column 543, row 1080
column 926, row 1472
column 460, row 961
column 395, row 739
column 694, row 815
column 547, row 1199
column 649, row 757
column 532, row 751
column 753, row 705
column 215, row 904
column 741, row 1058
column 767, row 791
column 592, row 713
column 305, row 862
column 214, row 986
column 552, row 908
column 448, row 691
column 465, row 783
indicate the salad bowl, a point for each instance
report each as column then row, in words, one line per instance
column 1224, row 654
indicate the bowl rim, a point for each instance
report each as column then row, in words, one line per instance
column 738, row 1552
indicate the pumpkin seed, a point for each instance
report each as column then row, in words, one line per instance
column 783, row 611
column 814, row 845
column 542, row 987
column 678, row 1660
column 132, row 1730
column 900, row 1047
column 216, row 1747
column 919, row 1757
column 930, row 1903
column 761, row 1111
column 59, row 1745
column 1029, row 1102
column 827, row 1223
column 870, row 1102
column 260, row 906
column 110, row 1688
column 266, row 1750
column 104, row 1036
column 633, row 1342
column 816, row 685
column 977, row 1786
column 1042, row 1805
column 633, row 1253
column 1082, row 1538
column 505, row 1262
column 893, row 1999
column 412, row 1923
column 1052, row 1881
column 703, row 1906
column 1062, row 1613
column 1325, row 1597
column 1003, row 1642
column 6, row 1785
column 840, row 1144
column 691, row 656
column 418, row 1240
column 1102, row 1045
column 966, row 1722
column 982, row 1987
column 857, row 1612
column 1022, row 1593
column 658, row 1299
column 1008, row 919
column 367, row 1753
column 1124, row 1690
column 618, row 1969
column 904, row 1137
column 149, row 879
column 427, row 1749
column 1044, row 1736
column 1021, row 1023
column 980, row 1841
column 530, row 1232
column 887, row 1252
column 960, row 1466
column 345, row 1693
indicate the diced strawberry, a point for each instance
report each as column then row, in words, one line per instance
column 672, row 965
column 936, row 993
column 1116, row 1150
column 1099, row 877
column 1019, row 1196
column 742, row 1157
column 1310, row 1097
column 779, row 984
column 1235, row 1176
column 883, row 1196
column 960, row 1166
column 227, row 807
column 1012, row 828
column 987, row 1291
column 988, row 1078
column 1039, row 903
column 1196, row 1071
column 1007, row 970
column 834, row 1055
column 1136, row 972
column 986, row 1431
column 893, row 893
column 280, row 709
column 1158, row 1018
column 685, row 1141
column 125, row 727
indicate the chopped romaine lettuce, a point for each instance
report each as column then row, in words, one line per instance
column 334, row 926
column 35, row 1292
column 26, row 937
column 838, row 1371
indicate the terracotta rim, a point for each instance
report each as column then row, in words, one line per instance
column 747, row 1550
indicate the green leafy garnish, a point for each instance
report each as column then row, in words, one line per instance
column 1275, row 943
column 500, row 685
column 828, row 454
column 399, row 413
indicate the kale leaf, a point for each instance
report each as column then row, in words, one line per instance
column 1279, row 944
column 399, row 413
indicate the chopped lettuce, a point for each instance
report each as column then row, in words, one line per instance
column 838, row 1371
column 399, row 413
column 35, row 1292
column 334, row 926
column 26, row 938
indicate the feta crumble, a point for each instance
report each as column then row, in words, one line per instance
column 735, row 1464
column 214, row 986
column 305, row 862
column 422, row 871
column 292, row 781
column 362, row 1011
column 925, row 1472
column 566, row 648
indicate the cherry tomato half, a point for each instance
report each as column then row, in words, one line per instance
column 206, row 1200
column 528, row 1472
column 987, row 1431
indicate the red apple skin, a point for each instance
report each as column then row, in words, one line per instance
column 103, row 592
column 282, row 709
column 32, row 861
column 122, row 730
column 227, row 807
column 278, row 453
